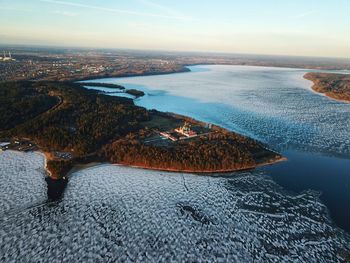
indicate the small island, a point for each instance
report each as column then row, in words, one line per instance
column 73, row 125
column 103, row 85
column 336, row 86
column 134, row 92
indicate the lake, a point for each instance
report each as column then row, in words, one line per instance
column 274, row 105
column 277, row 213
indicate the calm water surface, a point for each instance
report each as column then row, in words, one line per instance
column 275, row 106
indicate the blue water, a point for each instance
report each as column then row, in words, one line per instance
column 328, row 175
column 275, row 106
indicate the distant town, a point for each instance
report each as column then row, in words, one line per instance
column 25, row 63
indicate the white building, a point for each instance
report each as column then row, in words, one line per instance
column 7, row 58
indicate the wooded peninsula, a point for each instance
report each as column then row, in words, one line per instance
column 336, row 86
column 73, row 125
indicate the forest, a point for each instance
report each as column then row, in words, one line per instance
column 64, row 116
column 83, row 122
column 220, row 151
column 19, row 102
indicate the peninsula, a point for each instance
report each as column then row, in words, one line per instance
column 136, row 93
column 336, row 86
column 73, row 125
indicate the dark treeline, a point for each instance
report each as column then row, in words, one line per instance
column 135, row 92
column 83, row 122
column 19, row 102
column 104, row 85
column 63, row 116
column 219, row 151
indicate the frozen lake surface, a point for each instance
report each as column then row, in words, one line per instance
column 113, row 213
column 274, row 214
column 274, row 105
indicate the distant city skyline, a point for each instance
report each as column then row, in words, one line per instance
column 299, row 28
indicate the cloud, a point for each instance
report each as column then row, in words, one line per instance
column 65, row 13
column 113, row 10
column 305, row 14
column 159, row 7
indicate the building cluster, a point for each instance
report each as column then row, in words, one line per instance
column 7, row 57
column 94, row 69
column 62, row 66
column 186, row 131
column 180, row 133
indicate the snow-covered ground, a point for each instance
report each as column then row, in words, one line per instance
column 113, row 213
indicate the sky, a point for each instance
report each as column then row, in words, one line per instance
column 280, row 27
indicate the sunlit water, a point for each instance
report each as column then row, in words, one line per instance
column 113, row 213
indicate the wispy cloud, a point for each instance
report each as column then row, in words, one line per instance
column 7, row 8
column 113, row 10
column 65, row 13
column 160, row 7
column 305, row 14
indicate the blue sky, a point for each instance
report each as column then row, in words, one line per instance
column 290, row 27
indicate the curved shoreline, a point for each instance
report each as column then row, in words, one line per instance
column 228, row 151
column 278, row 158
column 184, row 69
column 205, row 172
column 80, row 167
column 318, row 88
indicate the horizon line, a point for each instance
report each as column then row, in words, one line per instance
column 77, row 47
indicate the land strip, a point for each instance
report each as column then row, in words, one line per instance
column 88, row 126
column 335, row 86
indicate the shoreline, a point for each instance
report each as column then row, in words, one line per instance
column 317, row 88
column 184, row 69
column 255, row 154
column 80, row 167
column 205, row 172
